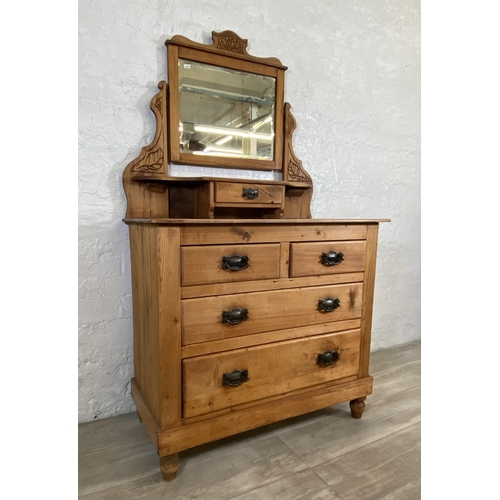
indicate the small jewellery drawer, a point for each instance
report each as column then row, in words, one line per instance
column 248, row 193
column 226, row 316
column 228, row 263
column 328, row 257
column 231, row 378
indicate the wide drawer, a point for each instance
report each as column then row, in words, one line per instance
column 327, row 257
column 223, row 380
column 220, row 317
column 248, row 193
column 228, row 263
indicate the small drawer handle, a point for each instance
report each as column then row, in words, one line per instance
column 328, row 305
column 250, row 193
column 235, row 378
column 235, row 316
column 331, row 258
column 235, row 262
column 328, row 358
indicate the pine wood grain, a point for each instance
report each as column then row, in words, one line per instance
column 267, row 311
column 239, row 232
column 306, row 258
column 233, row 193
column 273, row 369
column 203, row 264
column 194, row 291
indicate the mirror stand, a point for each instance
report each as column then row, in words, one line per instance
column 153, row 194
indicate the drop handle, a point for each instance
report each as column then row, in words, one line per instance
column 235, row 262
column 250, row 193
column 332, row 258
column 328, row 358
column 235, row 378
column 328, row 304
column 234, row 316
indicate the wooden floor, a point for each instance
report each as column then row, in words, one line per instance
column 322, row 455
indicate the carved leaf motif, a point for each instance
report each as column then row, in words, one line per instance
column 295, row 172
column 158, row 106
column 152, row 162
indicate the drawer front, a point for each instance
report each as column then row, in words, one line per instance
column 270, row 233
column 228, row 263
column 221, row 317
column 219, row 381
column 328, row 257
column 248, row 193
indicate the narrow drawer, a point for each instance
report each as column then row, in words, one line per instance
column 226, row 316
column 248, row 193
column 327, row 257
column 228, row 263
column 228, row 379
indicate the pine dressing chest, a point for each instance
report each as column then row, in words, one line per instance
column 246, row 310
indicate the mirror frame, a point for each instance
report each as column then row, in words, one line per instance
column 228, row 51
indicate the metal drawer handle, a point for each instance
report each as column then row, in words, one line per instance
column 235, row 316
column 250, row 193
column 235, row 262
column 328, row 358
column 328, row 304
column 235, row 378
column 331, row 258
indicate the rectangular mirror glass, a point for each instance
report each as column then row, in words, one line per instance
column 225, row 112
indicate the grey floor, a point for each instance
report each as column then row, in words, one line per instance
column 323, row 455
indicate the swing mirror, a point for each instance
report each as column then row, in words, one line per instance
column 226, row 107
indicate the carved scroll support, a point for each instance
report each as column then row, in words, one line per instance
column 154, row 158
column 293, row 169
column 300, row 187
column 151, row 164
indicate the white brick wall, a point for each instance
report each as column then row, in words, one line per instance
column 354, row 86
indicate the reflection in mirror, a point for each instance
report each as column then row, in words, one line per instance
column 224, row 112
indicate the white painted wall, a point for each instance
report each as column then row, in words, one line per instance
column 354, row 86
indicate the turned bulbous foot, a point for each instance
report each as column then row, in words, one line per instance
column 169, row 466
column 357, row 407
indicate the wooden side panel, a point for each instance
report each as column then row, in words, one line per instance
column 147, row 418
column 306, row 258
column 298, row 203
column 169, row 258
column 143, row 251
column 368, row 287
column 267, row 311
column 272, row 369
column 204, row 201
column 203, row 264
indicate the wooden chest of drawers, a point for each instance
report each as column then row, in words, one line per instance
column 238, row 324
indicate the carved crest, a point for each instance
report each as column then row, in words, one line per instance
column 228, row 40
